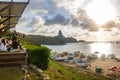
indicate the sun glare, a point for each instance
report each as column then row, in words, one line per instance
column 100, row 11
column 100, row 47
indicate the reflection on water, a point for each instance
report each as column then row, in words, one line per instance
column 101, row 48
column 87, row 48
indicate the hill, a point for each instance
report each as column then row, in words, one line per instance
column 60, row 39
column 38, row 40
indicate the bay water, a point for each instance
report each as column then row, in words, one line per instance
column 88, row 48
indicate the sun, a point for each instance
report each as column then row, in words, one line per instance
column 100, row 11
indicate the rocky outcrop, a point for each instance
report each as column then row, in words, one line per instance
column 67, row 40
column 60, row 39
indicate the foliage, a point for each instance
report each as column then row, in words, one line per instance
column 38, row 55
column 25, row 42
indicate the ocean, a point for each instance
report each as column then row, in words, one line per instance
column 88, row 48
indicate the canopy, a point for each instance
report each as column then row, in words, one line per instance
column 10, row 12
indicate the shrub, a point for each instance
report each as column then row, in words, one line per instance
column 38, row 55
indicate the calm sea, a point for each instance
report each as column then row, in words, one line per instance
column 88, row 48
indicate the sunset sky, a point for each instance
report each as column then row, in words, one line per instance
column 81, row 19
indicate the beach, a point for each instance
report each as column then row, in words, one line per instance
column 103, row 64
column 99, row 49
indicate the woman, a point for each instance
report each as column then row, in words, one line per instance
column 3, row 45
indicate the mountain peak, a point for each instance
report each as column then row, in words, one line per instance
column 60, row 34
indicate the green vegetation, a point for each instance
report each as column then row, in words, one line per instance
column 58, row 71
column 15, row 73
column 38, row 55
column 10, row 73
column 38, row 40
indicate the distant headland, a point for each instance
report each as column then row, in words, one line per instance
column 59, row 39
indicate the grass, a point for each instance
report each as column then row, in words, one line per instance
column 10, row 73
column 58, row 71
column 15, row 73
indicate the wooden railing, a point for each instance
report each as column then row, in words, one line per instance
column 13, row 58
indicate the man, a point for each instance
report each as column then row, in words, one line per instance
column 15, row 45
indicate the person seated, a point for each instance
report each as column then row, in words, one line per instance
column 8, row 44
column 3, row 45
column 15, row 46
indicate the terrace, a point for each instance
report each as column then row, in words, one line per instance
column 10, row 13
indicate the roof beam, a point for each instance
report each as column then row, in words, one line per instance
column 10, row 23
column 6, row 7
column 6, row 2
column 5, row 20
column 6, row 26
column 5, row 16
column 5, row 29
column 9, row 13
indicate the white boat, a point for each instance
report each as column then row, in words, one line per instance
column 60, row 59
column 83, row 64
column 70, row 56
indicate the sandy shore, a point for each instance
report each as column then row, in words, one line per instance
column 104, row 64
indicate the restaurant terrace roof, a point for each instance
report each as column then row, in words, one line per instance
column 10, row 13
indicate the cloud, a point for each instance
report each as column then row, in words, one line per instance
column 86, row 2
column 31, row 22
column 48, row 10
column 58, row 19
column 23, row 21
column 41, row 4
column 45, row 30
column 47, row 17
column 109, row 24
column 89, row 24
column 75, row 22
column 115, row 34
column 44, row 13
column 116, row 4
column 107, row 29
